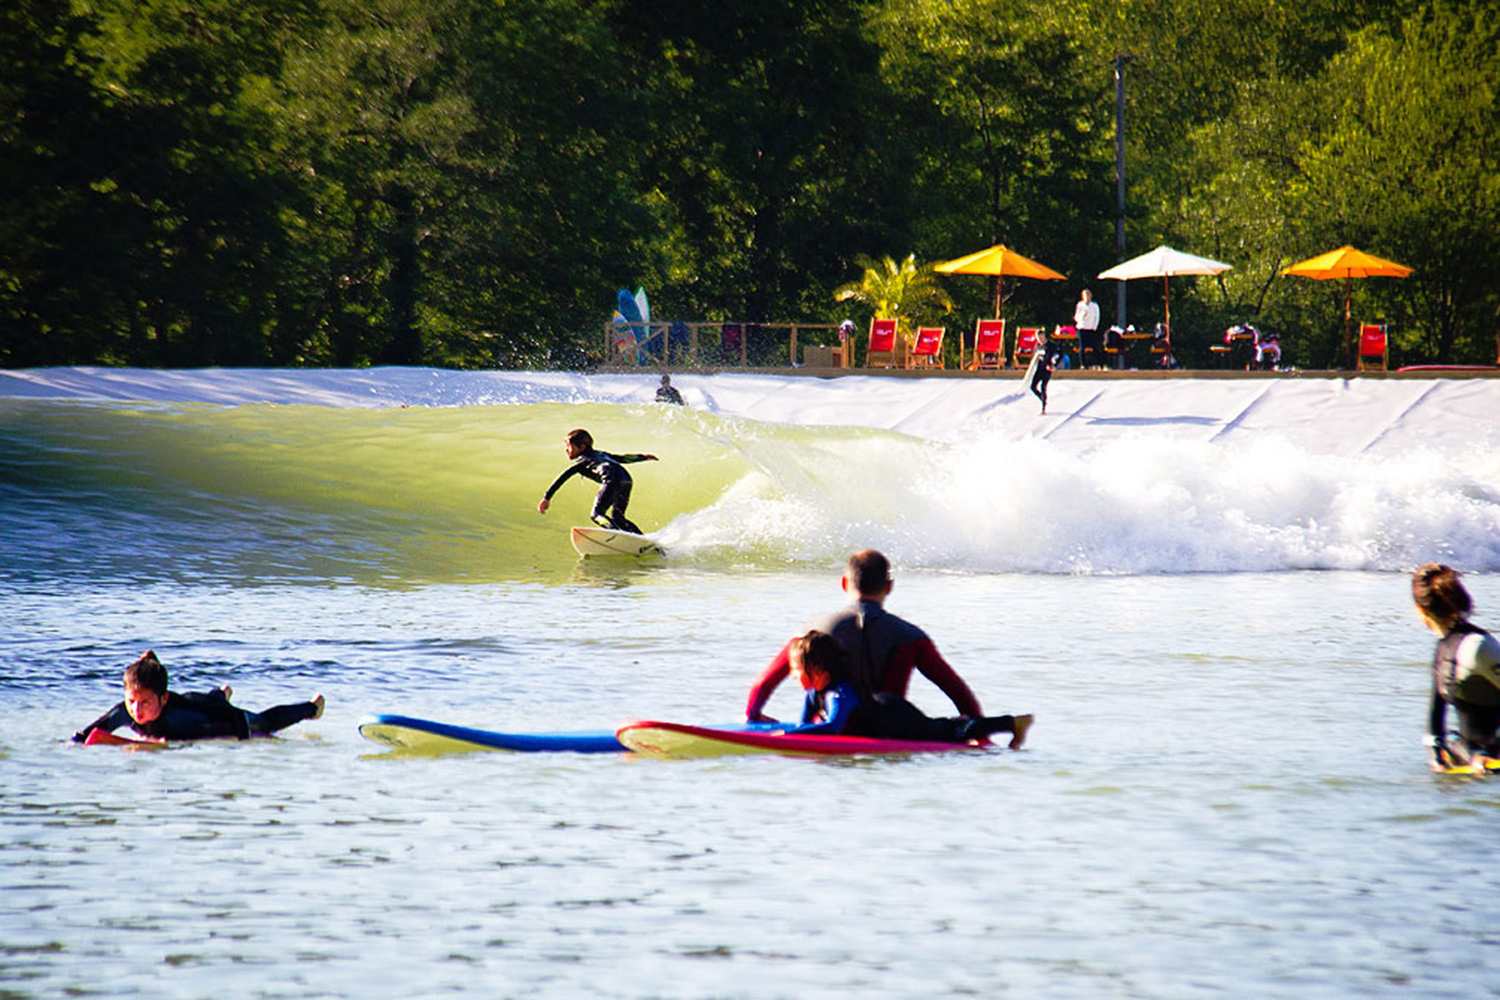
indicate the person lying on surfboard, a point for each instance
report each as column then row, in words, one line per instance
column 152, row 710
column 1465, row 673
column 605, row 469
column 834, row 707
column 883, row 649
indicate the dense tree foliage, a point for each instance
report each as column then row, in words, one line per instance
column 468, row 182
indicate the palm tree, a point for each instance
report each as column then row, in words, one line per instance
column 905, row 292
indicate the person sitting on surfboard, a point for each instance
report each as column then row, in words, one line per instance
column 834, row 707
column 1465, row 672
column 883, row 649
column 605, row 469
column 151, row 710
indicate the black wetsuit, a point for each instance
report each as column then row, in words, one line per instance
column 838, row 709
column 614, row 489
column 196, row 716
column 1041, row 372
column 667, row 394
column 1475, row 700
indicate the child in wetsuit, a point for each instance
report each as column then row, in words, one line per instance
column 151, row 710
column 833, row 706
column 605, row 469
column 1465, row 672
column 1043, row 361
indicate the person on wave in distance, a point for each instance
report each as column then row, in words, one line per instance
column 605, row 469
column 666, row 393
column 153, row 711
column 832, row 705
column 1465, row 672
column 882, row 649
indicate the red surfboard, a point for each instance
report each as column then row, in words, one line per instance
column 671, row 739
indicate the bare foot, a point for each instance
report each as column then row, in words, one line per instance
column 1018, row 737
column 228, row 691
column 317, row 703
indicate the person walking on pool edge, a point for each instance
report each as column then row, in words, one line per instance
column 883, row 649
column 605, row 469
column 1043, row 361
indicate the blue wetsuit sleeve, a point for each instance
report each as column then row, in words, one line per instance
column 839, row 703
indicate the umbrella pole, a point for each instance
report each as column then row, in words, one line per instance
column 1166, row 297
column 1349, row 347
column 1166, row 292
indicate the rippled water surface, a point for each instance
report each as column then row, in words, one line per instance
column 1224, row 795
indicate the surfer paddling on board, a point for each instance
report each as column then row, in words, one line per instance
column 834, row 707
column 605, row 469
column 1465, row 672
column 883, row 649
column 151, row 710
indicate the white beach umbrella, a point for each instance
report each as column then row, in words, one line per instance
column 1163, row 262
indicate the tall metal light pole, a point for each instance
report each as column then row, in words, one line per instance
column 1120, row 61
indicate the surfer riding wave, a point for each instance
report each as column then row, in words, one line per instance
column 605, row 469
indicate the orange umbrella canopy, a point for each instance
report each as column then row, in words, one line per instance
column 999, row 260
column 1347, row 263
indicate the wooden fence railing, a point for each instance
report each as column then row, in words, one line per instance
column 734, row 344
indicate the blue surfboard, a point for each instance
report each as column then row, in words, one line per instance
column 423, row 736
column 630, row 312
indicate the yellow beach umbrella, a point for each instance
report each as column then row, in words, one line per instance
column 999, row 260
column 1347, row 263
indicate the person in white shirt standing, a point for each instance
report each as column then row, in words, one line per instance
column 1086, row 319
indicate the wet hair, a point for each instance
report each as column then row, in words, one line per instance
column 580, row 438
column 821, row 651
column 1436, row 590
column 666, row 380
column 869, row 571
column 147, row 672
column 1439, row 592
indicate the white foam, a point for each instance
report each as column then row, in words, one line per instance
column 1456, row 417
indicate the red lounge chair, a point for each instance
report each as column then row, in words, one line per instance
column 1025, row 343
column 1374, row 347
column 882, row 350
column 928, row 352
column 989, row 344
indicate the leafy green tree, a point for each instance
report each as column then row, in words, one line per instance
column 1005, row 111
column 1410, row 169
column 155, row 232
column 760, row 133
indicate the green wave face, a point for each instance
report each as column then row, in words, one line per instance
column 393, row 495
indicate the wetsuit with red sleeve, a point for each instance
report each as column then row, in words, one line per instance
column 883, row 650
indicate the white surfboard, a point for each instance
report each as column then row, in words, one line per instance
column 607, row 542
